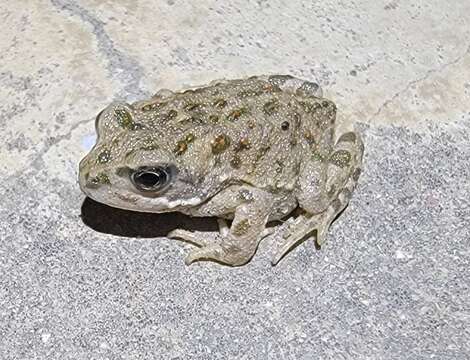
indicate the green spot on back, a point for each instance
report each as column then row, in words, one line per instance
column 171, row 115
column 124, row 119
column 318, row 157
column 104, row 157
column 213, row 118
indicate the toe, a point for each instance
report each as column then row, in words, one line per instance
column 188, row 236
column 211, row 252
column 179, row 233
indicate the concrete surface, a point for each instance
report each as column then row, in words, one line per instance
column 79, row 280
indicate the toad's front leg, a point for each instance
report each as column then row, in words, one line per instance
column 251, row 209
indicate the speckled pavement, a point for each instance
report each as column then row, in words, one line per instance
column 79, row 280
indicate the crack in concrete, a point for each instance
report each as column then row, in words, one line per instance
column 120, row 66
column 54, row 141
column 37, row 162
column 416, row 81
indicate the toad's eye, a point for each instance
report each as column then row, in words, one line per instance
column 149, row 178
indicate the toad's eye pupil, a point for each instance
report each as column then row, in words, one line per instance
column 285, row 125
column 150, row 178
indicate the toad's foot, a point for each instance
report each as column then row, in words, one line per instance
column 306, row 224
column 297, row 231
column 225, row 250
column 200, row 238
column 217, row 252
column 236, row 245
column 343, row 170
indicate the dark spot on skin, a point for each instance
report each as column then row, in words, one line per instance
column 356, row 174
column 235, row 162
column 235, row 114
column 285, row 125
column 325, row 103
column 332, row 112
column 192, row 120
column 243, row 144
column 213, row 119
column 157, row 105
column 181, row 147
column 246, row 195
column 189, row 138
column 309, row 137
column 98, row 180
column 305, row 106
column 336, row 204
column 124, row 119
column 240, row 228
column 129, row 153
column 271, row 107
column 104, row 157
column 171, row 115
column 353, row 72
column 297, row 118
column 192, row 106
column 262, row 151
column 220, row 144
column 220, row 103
column 315, row 106
column 341, row 158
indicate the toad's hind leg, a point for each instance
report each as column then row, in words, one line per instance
column 235, row 246
column 343, row 170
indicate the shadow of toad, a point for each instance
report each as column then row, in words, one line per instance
column 109, row 220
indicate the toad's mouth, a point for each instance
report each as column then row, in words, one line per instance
column 135, row 202
column 153, row 205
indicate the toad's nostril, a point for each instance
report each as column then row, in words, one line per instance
column 94, row 182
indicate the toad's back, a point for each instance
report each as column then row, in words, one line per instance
column 258, row 126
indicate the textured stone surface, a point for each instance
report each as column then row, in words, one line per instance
column 83, row 281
